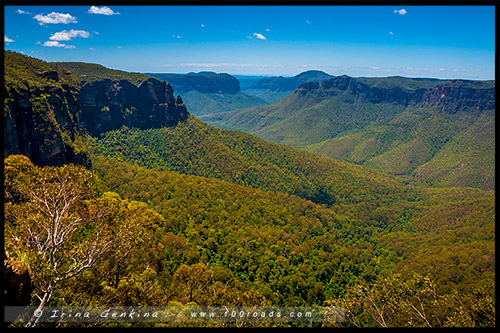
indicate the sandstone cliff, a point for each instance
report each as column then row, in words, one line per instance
column 110, row 104
column 41, row 112
column 48, row 107
column 449, row 96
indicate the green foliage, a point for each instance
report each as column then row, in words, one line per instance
column 295, row 252
column 94, row 72
column 213, row 242
column 197, row 149
column 22, row 72
column 467, row 159
column 394, row 301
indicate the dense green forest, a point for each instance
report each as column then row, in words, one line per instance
column 192, row 215
column 185, row 239
column 24, row 71
column 196, row 148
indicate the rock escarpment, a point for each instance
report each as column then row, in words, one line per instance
column 449, row 96
column 41, row 113
column 48, row 108
column 110, row 104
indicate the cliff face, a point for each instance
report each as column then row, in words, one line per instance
column 204, row 82
column 448, row 96
column 109, row 104
column 48, row 106
column 42, row 123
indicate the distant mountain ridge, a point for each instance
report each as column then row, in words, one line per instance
column 393, row 124
column 205, row 82
column 209, row 92
column 275, row 88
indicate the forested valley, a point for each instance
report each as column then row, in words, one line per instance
column 176, row 212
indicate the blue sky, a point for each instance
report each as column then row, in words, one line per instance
column 412, row 41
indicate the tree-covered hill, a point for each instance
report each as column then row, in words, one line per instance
column 235, row 226
column 395, row 124
column 166, row 238
column 87, row 72
column 198, row 149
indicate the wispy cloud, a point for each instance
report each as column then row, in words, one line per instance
column 391, row 33
column 20, row 11
column 69, row 35
column 55, row 18
column 7, row 39
column 55, row 43
column 259, row 36
column 64, row 36
column 401, row 11
column 102, row 10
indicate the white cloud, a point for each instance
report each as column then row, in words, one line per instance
column 51, row 43
column 259, row 36
column 390, row 32
column 203, row 26
column 69, row 35
column 400, row 11
column 268, row 29
column 102, row 10
column 55, row 18
column 20, row 11
column 7, row 39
